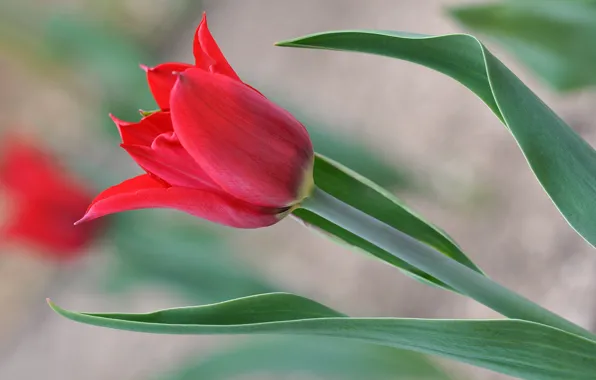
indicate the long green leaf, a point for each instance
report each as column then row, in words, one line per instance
column 514, row 347
column 461, row 278
column 197, row 262
column 315, row 356
column 366, row 196
column 563, row 162
column 554, row 38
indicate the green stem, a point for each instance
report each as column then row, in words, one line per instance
column 458, row 276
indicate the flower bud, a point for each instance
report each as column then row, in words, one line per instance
column 218, row 149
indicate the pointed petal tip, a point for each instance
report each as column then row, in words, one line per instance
column 119, row 122
column 115, row 119
column 87, row 217
column 145, row 68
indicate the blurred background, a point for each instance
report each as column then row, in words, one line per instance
column 65, row 64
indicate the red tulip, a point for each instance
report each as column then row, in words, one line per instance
column 218, row 149
column 44, row 201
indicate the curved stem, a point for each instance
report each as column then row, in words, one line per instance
column 458, row 276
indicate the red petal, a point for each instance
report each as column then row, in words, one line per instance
column 45, row 200
column 252, row 148
column 31, row 174
column 208, row 55
column 49, row 228
column 24, row 167
column 168, row 160
column 145, row 131
column 145, row 192
column 161, row 79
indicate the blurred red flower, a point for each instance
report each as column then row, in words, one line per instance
column 43, row 201
column 217, row 148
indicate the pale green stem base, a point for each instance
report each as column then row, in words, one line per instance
column 461, row 278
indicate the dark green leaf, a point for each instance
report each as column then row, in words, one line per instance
column 514, row 347
column 366, row 196
column 317, row 356
column 563, row 162
column 554, row 38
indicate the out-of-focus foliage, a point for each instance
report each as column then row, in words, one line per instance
column 110, row 59
column 194, row 260
column 358, row 158
column 554, row 38
column 309, row 356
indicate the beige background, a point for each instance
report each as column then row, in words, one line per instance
column 481, row 192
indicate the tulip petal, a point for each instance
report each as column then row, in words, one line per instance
column 49, row 228
column 168, row 160
column 23, row 167
column 252, row 148
column 145, row 192
column 44, row 200
column 208, row 55
column 145, row 131
column 161, row 79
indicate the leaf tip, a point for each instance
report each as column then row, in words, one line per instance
column 285, row 43
column 51, row 304
column 55, row 307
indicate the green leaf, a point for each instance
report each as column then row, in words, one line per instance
column 514, row 347
column 562, row 161
column 359, row 192
column 315, row 356
column 454, row 274
column 554, row 38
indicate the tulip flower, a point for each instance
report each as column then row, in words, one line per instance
column 217, row 149
column 43, row 200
